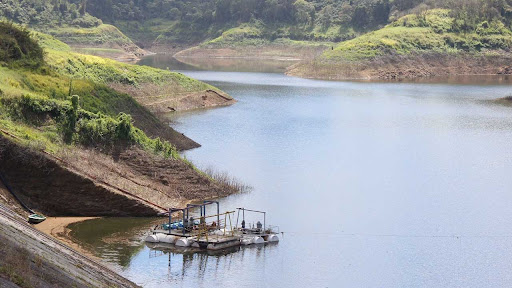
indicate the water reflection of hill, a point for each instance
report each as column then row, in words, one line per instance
column 115, row 240
column 183, row 262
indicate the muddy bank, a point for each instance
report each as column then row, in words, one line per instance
column 55, row 190
column 130, row 54
column 107, row 240
column 235, row 64
column 163, row 99
column 29, row 258
column 10, row 202
column 167, row 182
column 169, row 49
column 268, row 52
column 404, row 67
column 80, row 182
column 153, row 125
column 57, row 227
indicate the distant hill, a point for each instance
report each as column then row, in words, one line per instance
column 427, row 43
column 194, row 21
column 68, row 21
column 347, row 38
column 49, row 13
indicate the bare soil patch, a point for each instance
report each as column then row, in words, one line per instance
column 404, row 67
column 163, row 99
column 270, row 52
column 86, row 182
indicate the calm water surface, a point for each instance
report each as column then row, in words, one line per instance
column 373, row 184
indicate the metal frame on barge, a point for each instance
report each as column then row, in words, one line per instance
column 255, row 235
column 202, row 234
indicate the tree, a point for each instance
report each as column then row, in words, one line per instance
column 83, row 7
column 325, row 16
column 304, row 12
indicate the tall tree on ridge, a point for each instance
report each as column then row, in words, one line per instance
column 83, row 7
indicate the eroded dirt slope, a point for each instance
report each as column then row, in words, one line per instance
column 127, row 181
column 54, row 190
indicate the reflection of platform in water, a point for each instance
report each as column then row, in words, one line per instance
column 154, row 253
column 216, row 242
column 186, row 261
column 160, row 249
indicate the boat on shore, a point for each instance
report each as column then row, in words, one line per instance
column 36, row 218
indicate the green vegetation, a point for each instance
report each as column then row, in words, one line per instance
column 253, row 34
column 48, row 13
column 192, row 21
column 80, row 126
column 251, row 21
column 99, row 51
column 36, row 105
column 68, row 21
column 101, row 70
column 433, row 31
column 100, row 35
column 18, row 48
column 469, row 25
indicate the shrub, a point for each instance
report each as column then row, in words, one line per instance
column 16, row 46
column 87, row 21
column 31, row 108
column 83, row 127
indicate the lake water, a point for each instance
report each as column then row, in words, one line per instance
column 373, row 185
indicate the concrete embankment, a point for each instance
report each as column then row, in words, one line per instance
column 30, row 258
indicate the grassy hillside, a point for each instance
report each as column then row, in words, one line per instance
column 254, row 34
column 156, row 89
column 432, row 42
column 37, row 106
column 431, row 31
column 42, row 83
column 249, row 40
column 183, row 21
column 104, row 35
column 68, row 21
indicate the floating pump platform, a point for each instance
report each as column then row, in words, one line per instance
column 205, row 234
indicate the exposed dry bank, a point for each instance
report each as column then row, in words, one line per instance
column 247, row 41
column 86, row 182
column 430, row 64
